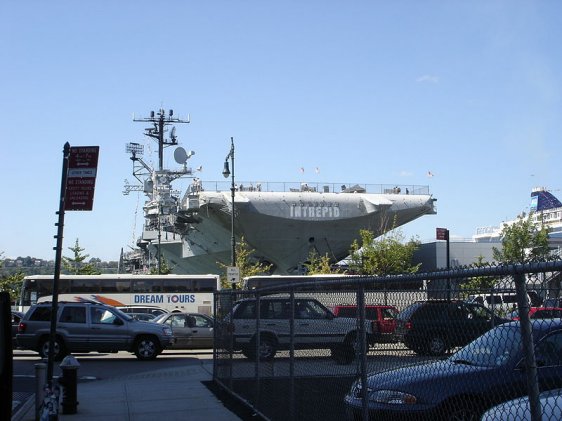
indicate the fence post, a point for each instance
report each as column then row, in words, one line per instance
column 362, row 339
column 40, row 380
column 257, row 350
column 528, row 347
column 292, row 356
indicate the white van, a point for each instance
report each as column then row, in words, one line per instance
column 503, row 302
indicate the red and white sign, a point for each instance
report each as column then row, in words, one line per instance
column 442, row 233
column 81, row 178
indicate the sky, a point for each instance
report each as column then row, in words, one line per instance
column 368, row 92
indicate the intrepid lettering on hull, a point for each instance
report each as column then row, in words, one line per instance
column 314, row 210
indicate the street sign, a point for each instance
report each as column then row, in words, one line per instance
column 233, row 274
column 81, row 178
column 442, row 233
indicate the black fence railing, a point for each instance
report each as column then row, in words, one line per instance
column 364, row 348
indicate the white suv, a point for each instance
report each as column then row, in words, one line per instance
column 315, row 327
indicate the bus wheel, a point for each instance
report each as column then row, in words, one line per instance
column 59, row 348
column 147, row 348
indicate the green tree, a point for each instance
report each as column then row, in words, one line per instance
column 478, row 283
column 523, row 241
column 165, row 269
column 77, row 265
column 317, row 264
column 387, row 255
column 11, row 283
column 246, row 263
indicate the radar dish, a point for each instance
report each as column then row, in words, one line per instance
column 180, row 155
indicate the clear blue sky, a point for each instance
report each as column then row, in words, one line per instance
column 367, row 91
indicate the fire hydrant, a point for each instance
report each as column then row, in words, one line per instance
column 69, row 382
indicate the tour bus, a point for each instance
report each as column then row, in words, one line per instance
column 183, row 293
column 253, row 282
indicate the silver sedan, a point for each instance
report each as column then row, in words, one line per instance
column 191, row 330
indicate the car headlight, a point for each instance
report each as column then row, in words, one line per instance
column 393, row 397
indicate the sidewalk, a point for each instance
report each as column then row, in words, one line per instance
column 170, row 394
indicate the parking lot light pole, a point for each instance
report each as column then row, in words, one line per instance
column 227, row 173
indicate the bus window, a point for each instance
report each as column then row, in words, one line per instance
column 85, row 285
column 117, row 286
column 209, row 285
column 64, row 286
column 177, row 285
column 42, row 289
column 122, row 286
column 147, row 285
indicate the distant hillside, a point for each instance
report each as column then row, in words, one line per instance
column 33, row 266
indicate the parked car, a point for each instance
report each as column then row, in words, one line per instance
column 191, row 330
column 539, row 313
column 86, row 327
column 519, row 409
column 315, row 327
column 16, row 318
column 552, row 302
column 143, row 317
column 157, row 311
column 500, row 302
column 435, row 326
column 384, row 317
column 489, row 370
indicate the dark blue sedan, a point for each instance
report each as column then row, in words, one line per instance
column 489, row 370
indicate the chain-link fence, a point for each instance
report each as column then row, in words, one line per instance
column 366, row 348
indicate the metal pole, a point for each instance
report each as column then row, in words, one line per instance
column 448, row 265
column 40, row 380
column 161, row 140
column 232, row 191
column 292, row 407
column 159, row 237
column 362, row 338
column 58, row 258
column 528, row 348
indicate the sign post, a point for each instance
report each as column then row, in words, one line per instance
column 78, row 180
column 233, row 275
column 443, row 234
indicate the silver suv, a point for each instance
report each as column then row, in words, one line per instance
column 86, row 327
column 314, row 327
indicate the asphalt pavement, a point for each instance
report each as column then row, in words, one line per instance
column 167, row 394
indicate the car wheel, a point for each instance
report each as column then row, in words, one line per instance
column 345, row 352
column 266, row 351
column 147, row 348
column 462, row 411
column 59, row 348
column 416, row 347
column 436, row 345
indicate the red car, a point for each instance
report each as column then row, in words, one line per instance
column 383, row 316
column 540, row 313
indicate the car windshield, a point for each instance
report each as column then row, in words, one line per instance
column 158, row 318
column 408, row 311
column 495, row 348
column 122, row 315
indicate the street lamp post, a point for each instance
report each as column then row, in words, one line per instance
column 226, row 173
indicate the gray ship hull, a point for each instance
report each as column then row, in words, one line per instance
column 283, row 227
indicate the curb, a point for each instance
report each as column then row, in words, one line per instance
column 24, row 410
